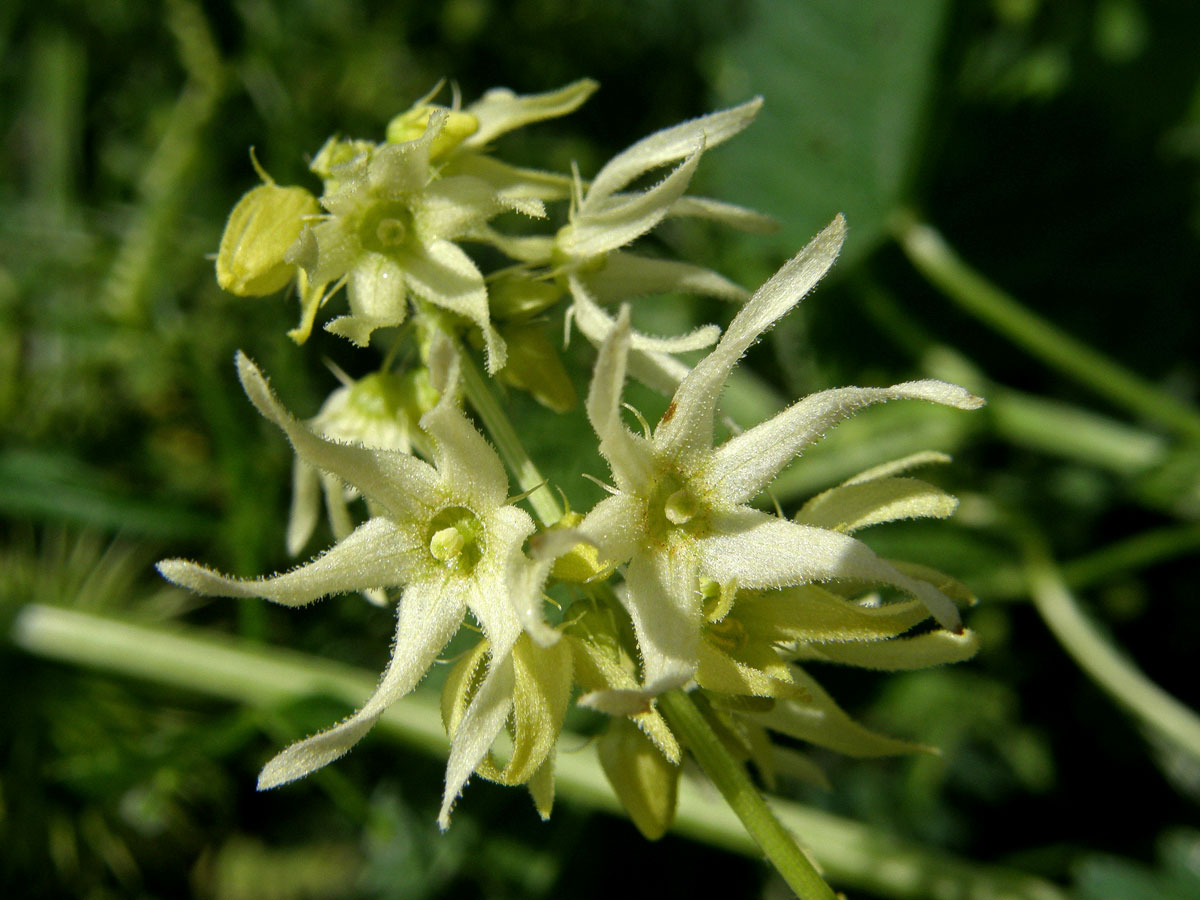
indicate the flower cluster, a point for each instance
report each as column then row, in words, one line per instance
column 677, row 581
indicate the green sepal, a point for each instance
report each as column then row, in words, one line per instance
column 934, row 648
column 849, row 507
column 821, row 721
column 812, row 613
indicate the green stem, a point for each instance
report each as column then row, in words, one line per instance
column 688, row 722
column 1100, row 659
column 934, row 258
column 267, row 677
column 479, row 392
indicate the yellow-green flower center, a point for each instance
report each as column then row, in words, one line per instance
column 386, row 226
column 456, row 539
column 674, row 507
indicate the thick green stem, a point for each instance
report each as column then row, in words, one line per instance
column 479, row 392
column 730, row 777
column 935, row 259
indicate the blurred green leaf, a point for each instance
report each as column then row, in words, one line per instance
column 845, row 86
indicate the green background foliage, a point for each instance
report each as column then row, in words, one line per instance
column 1054, row 145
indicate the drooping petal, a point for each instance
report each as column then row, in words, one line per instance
column 763, row 551
column 664, row 603
column 821, row 721
column 376, row 554
column 445, row 276
column 428, row 615
column 742, row 466
column 617, row 221
column 625, row 452
column 480, row 725
column 668, row 145
column 398, row 482
column 690, row 426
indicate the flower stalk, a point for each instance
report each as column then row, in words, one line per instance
column 777, row 843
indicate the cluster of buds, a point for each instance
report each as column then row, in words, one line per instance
column 677, row 580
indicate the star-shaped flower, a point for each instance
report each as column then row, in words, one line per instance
column 390, row 230
column 445, row 534
column 681, row 509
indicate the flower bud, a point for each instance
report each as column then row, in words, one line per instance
column 518, row 296
column 645, row 783
column 534, row 365
column 262, row 227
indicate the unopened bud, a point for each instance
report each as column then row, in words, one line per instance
column 262, row 227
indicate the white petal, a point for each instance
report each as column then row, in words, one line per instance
column 375, row 554
column 617, row 221
column 500, row 110
column 613, row 525
column 427, row 617
column 480, row 725
column 695, row 402
column 726, row 213
column 466, row 462
column 629, row 275
column 664, row 603
column 898, row 466
column 665, row 147
column 762, row 551
column 596, row 325
column 626, row 453
column 747, row 463
column 400, row 483
column 445, row 276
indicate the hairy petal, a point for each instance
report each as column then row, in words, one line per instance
column 617, row 221
column 762, row 551
column 376, row 554
column 427, row 617
column 626, row 454
column 696, row 400
column 398, row 482
column 745, row 464
column 596, row 325
column 668, row 145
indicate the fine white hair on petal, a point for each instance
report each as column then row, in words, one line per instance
column 694, row 405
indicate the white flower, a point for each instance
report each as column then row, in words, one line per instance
column 390, row 231
column 681, row 509
column 444, row 534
